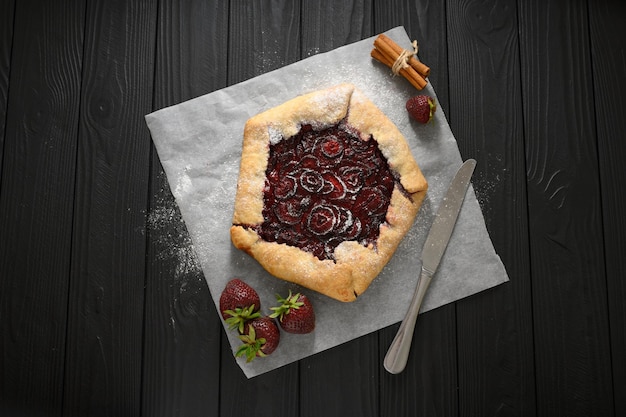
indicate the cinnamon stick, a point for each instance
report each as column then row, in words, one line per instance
column 418, row 65
column 409, row 73
column 384, row 53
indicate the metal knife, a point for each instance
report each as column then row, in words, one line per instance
column 433, row 250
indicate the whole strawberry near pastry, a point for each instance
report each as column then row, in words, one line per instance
column 260, row 338
column 295, row 314
column 239, row 303
column 421, row 108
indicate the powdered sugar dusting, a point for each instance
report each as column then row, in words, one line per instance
column 331, row 101
column 172, row 242
column 183, row 186
column 275, row 135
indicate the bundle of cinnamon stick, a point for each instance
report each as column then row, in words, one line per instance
column 405, row 62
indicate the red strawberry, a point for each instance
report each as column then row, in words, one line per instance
column 261, row 338
column 239, row 303
column 295, row 314
column 421, row 108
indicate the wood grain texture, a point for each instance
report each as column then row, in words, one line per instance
column 182, row 329
column 7, row 8
column 106, row 304
column 327, row 25
column 495, row 343
column 274, row 393
column 608, row 55
column 351, row 380
column 428, row 385
column 263, row 36
column 36, row 205
column 424, row 21
column 572, row 350
column 104, row 311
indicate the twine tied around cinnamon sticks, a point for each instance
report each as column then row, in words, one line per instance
column 401, row 61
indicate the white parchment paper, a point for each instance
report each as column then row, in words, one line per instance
column 199, row 145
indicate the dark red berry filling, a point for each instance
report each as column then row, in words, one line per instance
column 324, row 187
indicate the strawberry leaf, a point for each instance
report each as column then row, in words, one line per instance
column 251, row 347
column 240, row 316
column 286, row 305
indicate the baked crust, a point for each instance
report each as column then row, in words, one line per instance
column 355, row 265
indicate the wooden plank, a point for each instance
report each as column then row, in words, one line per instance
column 429, row 382
column 495, row 345
column 569, row 291
column 7, row 8
column 106, row 304
column 350, row 371
column 328, row 25
column 263, row 35
column 36, row 202
column 424, row 22
column 274, row 393
column 608, row 49
column 350, row 374
column 182, row 328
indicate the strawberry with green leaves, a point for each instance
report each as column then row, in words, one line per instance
column 295, row 313
column 421, row 108
column 239, row 303
column 260, row 338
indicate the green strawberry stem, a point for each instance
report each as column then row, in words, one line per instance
column 286, row 304
column 433, row 107
column 251, row 347
column 240, row 316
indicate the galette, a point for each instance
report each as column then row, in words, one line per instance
column 327, row 189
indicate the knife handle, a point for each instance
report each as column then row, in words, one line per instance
column 398, row 352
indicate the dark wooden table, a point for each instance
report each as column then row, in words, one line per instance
column 97, row 318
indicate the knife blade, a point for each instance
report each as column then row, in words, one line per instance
column 434, row 248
